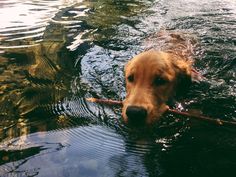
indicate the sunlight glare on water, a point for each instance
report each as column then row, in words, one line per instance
column 27, row 20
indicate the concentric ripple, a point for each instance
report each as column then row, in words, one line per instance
column 96, row 148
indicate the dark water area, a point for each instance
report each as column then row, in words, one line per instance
column 55, row 54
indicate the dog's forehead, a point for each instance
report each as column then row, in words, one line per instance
column 150, row 60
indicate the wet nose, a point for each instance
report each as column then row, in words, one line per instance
column 136, row 114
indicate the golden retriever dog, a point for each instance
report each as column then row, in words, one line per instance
column 153, row 76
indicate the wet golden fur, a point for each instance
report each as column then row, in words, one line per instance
column 151, row 79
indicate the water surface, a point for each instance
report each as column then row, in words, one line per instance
column 54, row 54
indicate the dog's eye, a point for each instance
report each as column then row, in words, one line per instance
column 158, row 81
column 130, row 78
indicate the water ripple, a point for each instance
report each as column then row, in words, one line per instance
column 27, row 21
column 57, row 53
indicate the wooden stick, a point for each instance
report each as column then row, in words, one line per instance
column 173, row 111
column 201, row 117
column 104, row 101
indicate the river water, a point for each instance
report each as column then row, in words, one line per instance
column 56, row 53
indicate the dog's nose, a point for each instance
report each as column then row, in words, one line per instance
column 136, row 114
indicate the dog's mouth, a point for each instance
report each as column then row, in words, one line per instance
column 141, row 116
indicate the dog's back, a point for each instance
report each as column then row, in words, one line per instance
column 180, row 44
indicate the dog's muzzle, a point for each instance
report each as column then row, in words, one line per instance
column 136, row 115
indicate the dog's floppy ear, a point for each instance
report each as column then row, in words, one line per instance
column 185, row 76
column 185, row 70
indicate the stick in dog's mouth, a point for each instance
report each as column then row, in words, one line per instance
column 216, row 121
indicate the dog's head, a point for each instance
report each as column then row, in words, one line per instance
column 151, row 79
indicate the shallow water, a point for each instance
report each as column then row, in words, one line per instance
column 54, row 54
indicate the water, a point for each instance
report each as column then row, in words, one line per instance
column 54, row 54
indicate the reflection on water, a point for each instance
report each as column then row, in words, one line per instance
column 54, row 54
